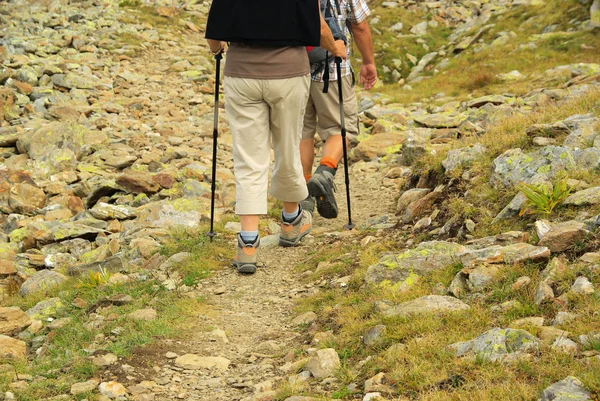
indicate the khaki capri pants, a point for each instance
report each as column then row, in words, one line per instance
column 261, row 111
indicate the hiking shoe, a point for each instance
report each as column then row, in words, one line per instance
column 246, row 257
column 292, row 233
column 322, row 188
column 308, row 204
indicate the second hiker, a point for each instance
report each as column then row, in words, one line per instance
column 322, row 113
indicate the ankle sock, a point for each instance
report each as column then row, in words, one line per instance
column 329, row 162
column 307, row 177
column 249, row 237
column 290, row 217
column 323, row 167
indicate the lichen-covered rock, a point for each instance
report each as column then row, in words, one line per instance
column 458, row 158
column 41, row 280
column 514, row 166
column 499, row 345
column 45, row 308
column 379, row 145
column 569, row 389
column 403, row 269
column 427, row 304
column 589, row 196
column 441, row 120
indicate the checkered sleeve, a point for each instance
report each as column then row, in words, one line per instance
column 359, row 11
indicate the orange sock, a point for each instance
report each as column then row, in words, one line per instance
column 307, row 177
column 329, row 162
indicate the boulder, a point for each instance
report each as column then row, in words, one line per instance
column 459, row 158
column 499, row 345
column 379, row 145
column 404, row 268
column 41, row 281
column 568, row 389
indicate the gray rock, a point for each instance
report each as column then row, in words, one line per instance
column 441, row 120
column 40, row 281
column 409, row 197
column 565, row 345
column 590, row 196
column 419, row 68
column 513, row 208
column 514, row 166
column 569, row 389
column 419, row 29
column 496, row 254
column 428, row 304
column 543, row 293
column 324, row 364
column 458, row 286
column 45, row 308
column 458, row 158
column 582, row 131
column 564, row 318
column 404, row 269
column 374, row 335
column 499, row 345
column 582, row 286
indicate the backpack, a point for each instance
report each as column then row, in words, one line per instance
column 274, row 23
column 319, row 58
column 318, row 54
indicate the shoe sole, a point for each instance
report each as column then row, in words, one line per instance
column 246, row 268
column 292, row 242
column 326, row 204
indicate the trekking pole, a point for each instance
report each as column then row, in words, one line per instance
column 212, row 233
column 338, row 63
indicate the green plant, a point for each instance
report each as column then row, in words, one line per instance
column 95, row 279
column 542, row 199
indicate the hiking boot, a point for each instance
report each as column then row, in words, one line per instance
column 292, row 233
column 321, row 186
column 308, row 204
column 246, row 257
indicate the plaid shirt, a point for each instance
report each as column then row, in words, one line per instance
column 355, row 12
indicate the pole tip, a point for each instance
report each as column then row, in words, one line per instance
column 211, row 234
column 349, row 226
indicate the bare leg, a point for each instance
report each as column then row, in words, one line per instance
column 307, row 155
column 249, row 222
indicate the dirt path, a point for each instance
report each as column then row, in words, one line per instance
column 248, row 320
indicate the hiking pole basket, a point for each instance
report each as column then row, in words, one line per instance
column 213, row 180
column 338, row 64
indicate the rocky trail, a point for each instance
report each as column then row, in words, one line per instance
column 106, row 115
